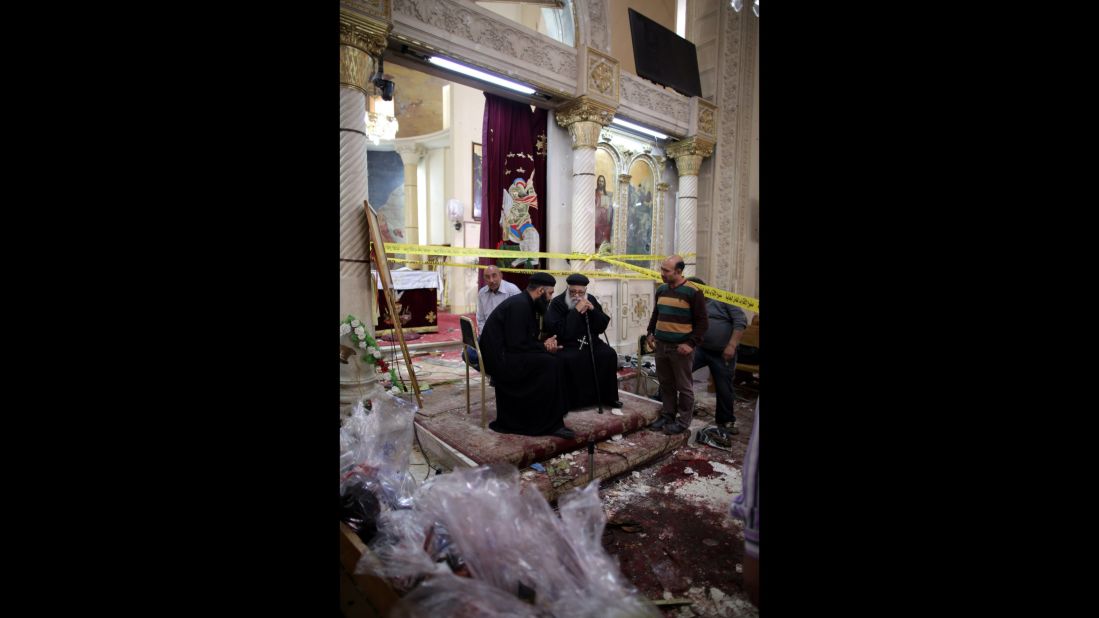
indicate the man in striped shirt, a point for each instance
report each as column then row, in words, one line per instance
column 677, row 326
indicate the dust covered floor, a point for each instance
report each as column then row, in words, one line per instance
column 668, row 522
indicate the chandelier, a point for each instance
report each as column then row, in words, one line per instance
column 381, row 123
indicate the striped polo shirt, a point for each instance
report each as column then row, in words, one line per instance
column 680, row 314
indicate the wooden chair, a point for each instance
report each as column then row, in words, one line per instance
column 469, row 338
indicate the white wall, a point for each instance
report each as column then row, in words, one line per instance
column 421, row 202
column 467, row 111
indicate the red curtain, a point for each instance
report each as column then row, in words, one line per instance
column 513, row 139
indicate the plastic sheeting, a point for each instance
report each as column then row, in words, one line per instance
column 511, row 541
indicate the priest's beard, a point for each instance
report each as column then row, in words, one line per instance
column 541, row 304
column 570, row 300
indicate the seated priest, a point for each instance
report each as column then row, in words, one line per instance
column 576, row 319
column 527, row 374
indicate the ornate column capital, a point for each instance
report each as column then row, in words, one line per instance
column 584, row 134
column 361, row 38
column 584, row 109
column 584, row 118
column 624, row 178
column 411, row 153
column 689, row 153
column 662, row 186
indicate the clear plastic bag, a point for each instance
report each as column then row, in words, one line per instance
column 511, row 540
column 458, row 597
column 378, row 445
column 397, row 552
column 360, row 510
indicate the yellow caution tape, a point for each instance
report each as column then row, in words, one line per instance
column 729, row 298
column 645, row 258
column 476, row 252
column 591, row 274
column 404, row 248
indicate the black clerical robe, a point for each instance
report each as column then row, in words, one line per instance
column 571, row 329
column 530, row 383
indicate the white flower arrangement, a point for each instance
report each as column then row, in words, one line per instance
column 372, row 354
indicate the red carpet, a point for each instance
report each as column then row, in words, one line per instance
column 448, row 331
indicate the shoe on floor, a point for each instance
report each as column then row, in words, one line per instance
column 565, row 433
column 673, row 428
column 616, row 404
column 659, row 423
column 728, row 429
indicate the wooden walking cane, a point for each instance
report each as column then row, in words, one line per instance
column 387, row 292
column 598, row 395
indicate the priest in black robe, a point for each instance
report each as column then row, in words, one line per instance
column 568, row 318
column 527, row 373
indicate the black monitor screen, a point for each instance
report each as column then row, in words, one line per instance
column 663, row 56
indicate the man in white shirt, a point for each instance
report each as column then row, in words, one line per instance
column 496, row 291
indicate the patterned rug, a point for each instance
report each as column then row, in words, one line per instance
column 445, row 416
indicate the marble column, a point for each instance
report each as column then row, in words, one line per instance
column 584, row 118
column 360, row 40
column 621, row 214
column 410, row 157
column 688, row 155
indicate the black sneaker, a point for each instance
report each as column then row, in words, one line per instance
column 658, row 423
column 712, row 436
column 728, row 429
column 673, row 428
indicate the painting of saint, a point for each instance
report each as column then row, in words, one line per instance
column 604, row 214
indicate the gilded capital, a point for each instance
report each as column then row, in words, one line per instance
column 689, row 153
column 584, row 109
column 662, row 186
column 585, row 134
column 361, row 38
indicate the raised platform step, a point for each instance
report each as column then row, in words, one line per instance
column 612, row 458
column 445, row 417
column 452, row 438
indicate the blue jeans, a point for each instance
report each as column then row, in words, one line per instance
column 471, row 354
column 722, row 373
